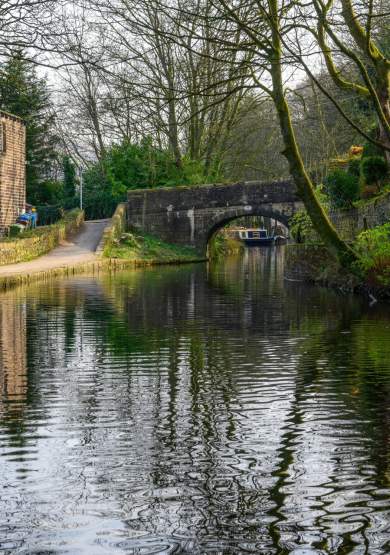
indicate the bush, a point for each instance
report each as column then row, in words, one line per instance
column 15, row 230
column 48, row 215
column 354, row 167
column 342, row 188
column 373, row 248
column 133, row 166
column 374, row 169
column 301, row 227
column 369, row 148
column 46, row 192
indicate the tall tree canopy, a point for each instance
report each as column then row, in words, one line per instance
column 24, row 94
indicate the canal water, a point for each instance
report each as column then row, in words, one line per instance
column 195, row 409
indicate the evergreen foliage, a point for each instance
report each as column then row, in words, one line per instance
column 133, row 166
column 24, row 94
column 69, row 187
column 374, row 169
column 354, row 167
column 342, row 188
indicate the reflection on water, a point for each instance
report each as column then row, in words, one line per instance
column 195, row 410
column 13, row 355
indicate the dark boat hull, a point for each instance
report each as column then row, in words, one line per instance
column 259, row 242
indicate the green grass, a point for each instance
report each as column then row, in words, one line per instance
column 147, row 248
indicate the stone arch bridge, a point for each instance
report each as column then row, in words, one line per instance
column 191, row 215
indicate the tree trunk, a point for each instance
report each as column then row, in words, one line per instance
column 384, row 99
column 305, row 187
column 173, row 133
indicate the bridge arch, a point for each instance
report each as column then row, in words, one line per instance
column 190, row 215
column 221, row 222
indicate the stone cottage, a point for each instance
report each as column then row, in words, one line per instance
column 12, row 169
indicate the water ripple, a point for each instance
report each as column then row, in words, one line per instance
column 193, row 410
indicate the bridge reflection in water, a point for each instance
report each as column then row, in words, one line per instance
column 207, row 408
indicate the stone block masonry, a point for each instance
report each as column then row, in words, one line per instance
column 190, row 215
column 349, row 223
column 12, row 169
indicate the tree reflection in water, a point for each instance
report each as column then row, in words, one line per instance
column 199, row 408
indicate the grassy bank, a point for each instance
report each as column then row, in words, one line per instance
column 137, row 248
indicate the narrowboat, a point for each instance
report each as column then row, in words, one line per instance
column 256, row 237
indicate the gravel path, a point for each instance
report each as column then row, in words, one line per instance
column 77, row 250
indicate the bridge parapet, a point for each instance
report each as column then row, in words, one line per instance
column 189, row 215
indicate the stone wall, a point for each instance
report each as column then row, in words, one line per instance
column 12, row 169
column 350, row 223
column 315, row 264
column 41, row 240
column 114, row 230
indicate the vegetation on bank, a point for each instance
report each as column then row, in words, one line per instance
column 361, row 174
column 373, row 248
column 221, row 244
column 145, row 248
column 359, row 179
column 132, row 246
column 310, row 261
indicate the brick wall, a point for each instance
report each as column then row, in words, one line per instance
column 12, row 169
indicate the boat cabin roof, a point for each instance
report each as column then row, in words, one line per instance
column 253, row 229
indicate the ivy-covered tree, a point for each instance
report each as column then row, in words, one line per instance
column 26, row 95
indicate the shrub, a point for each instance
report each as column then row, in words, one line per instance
column 133, row 166
column 354, row 167
column 374, row 169
column 69, row 170
column 15, row 230
column 301, row 227
column 46, row 192
column 356, row 150
column 342, row 188
column 373, row 248
column 222, row 244
column 48, row 215
column 370, row 149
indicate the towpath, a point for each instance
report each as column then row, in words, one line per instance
column 80, row 249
